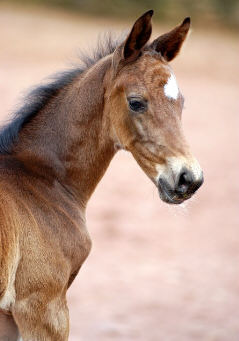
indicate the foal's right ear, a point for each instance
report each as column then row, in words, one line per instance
column 169, row 44
column 140, row 33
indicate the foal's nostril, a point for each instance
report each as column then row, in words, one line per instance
column 185, row 180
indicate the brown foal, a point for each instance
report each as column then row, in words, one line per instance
column 54, row 153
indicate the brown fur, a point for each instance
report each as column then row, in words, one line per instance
column 60, row 156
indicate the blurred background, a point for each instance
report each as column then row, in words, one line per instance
column 155, row 272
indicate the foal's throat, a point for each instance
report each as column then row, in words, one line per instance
column 71, row 138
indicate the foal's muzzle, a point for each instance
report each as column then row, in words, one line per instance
column 185, row 186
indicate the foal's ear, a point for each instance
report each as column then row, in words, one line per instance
column 136, row 40
column 169, row 44
column 138, row 37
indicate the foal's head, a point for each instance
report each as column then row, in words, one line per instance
column 145, row 107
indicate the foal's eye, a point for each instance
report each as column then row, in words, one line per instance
column 137, row 104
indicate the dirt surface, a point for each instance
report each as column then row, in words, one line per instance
column 155, row 273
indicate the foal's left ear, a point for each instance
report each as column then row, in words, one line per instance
column 139, row 35
column 169, row 44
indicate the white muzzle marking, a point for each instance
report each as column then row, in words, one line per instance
column 174, row 166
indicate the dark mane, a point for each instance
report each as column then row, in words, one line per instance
column 38, row 98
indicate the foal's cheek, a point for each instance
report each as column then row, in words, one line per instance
column 121, row 123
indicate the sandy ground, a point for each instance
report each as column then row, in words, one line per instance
column 155, row 273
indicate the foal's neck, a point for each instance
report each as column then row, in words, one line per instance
column 69, row 140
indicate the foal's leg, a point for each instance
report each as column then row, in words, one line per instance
column 8, row 328
column 40, row 319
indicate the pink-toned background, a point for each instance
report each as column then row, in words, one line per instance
column 155, row 272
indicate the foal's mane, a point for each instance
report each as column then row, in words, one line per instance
column 40, row 96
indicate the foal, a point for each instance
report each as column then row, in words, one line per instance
column 55, row 151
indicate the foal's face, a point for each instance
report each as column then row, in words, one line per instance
column 147, row 121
